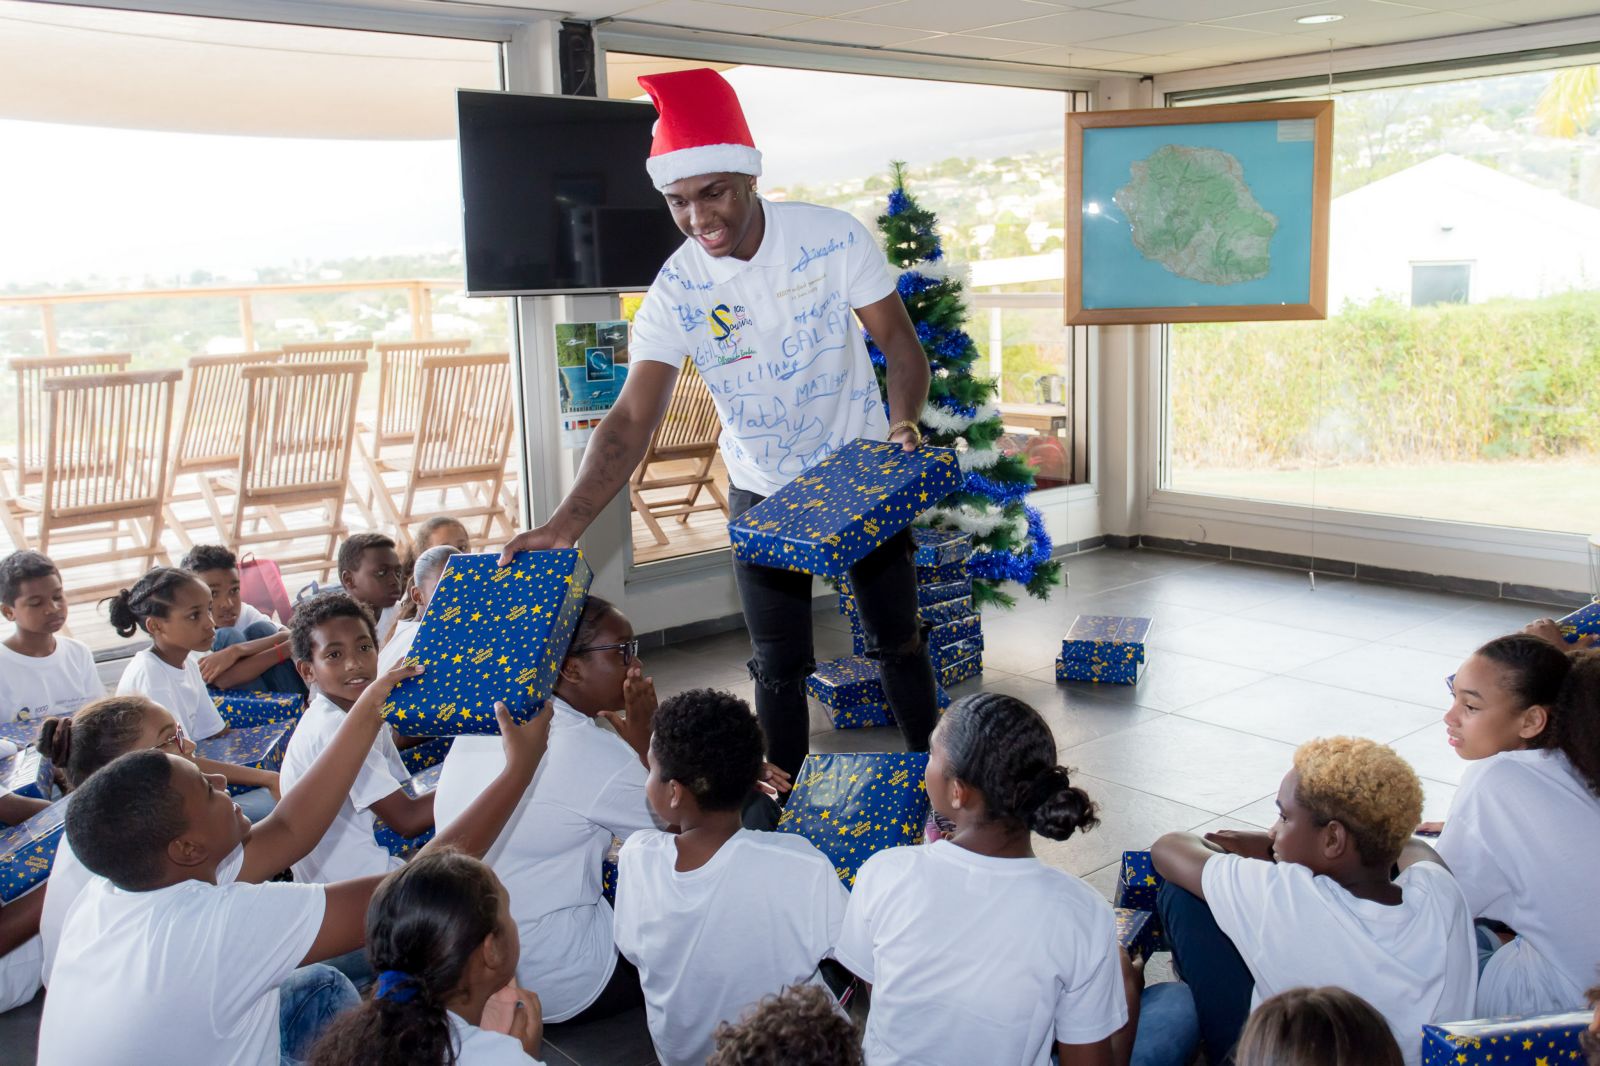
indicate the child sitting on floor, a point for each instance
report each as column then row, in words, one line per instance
column 249, row 650
column 336, row 650
column 1526, row 714
column 716, row 916
column 1317, row 1027
column 21, row 946
column 591, row 788
column 801, row 1027
column 1312, row 901
column 425, row 574
column 441, row 939
column 160, row 962
column 41, row 672
column 440, row 531
column 977, row 951
column 174, row 608
column 370, row 573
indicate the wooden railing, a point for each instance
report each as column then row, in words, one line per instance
column 419, row 291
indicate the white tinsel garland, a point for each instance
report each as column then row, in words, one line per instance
column 937, row 418
column 978, row 458
column 975, row 522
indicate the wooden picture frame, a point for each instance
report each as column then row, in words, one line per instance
column 1270, row 261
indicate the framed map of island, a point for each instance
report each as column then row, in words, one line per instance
column 1198, row 214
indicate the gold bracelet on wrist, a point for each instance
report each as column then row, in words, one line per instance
column 906, row 423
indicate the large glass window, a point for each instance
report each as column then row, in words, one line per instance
column 988, row 160
column 1456, row 375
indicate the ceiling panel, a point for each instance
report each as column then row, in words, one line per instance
column 1526, row 11
column 865, row 34
column 961, row 44
column 1075, row 27
column 1189, row 11
column 1413, row 28
column 1060, row 55
column 1180, row 39
column 1355, row 12
column 955, row 16
column 723, row 17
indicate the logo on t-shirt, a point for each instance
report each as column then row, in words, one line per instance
column 725, row 322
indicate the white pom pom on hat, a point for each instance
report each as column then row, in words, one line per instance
column 701, row 130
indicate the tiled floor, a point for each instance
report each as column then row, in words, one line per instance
column 1246, row 662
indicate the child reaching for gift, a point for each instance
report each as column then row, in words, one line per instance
column 42, row 673
column 174, row 608
column 716, row 916
column 977, row 951
column 249, row 650
column 441, row 939
column 163, row 958
column 1525, row 712
column 335, row 647
column 1313, row 902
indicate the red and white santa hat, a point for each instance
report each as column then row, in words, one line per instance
column 701, row 129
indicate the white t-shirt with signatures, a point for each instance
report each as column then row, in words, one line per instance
column 775, row 339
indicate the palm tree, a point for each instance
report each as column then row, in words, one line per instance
column 1569, row 103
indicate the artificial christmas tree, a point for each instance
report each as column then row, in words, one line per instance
column 1008, row 536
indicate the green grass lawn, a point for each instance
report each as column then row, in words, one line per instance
column 1559, row 495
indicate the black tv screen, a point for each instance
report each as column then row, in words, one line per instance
column 555, row 197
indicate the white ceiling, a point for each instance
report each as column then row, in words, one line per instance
column 1137, row 36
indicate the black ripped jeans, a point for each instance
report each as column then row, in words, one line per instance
column 777, row 612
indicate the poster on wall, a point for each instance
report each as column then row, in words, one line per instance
column 592, row 362
column 1198, row 214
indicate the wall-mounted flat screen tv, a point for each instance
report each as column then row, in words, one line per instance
column 554, row 195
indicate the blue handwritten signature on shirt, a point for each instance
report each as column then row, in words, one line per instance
column 811, row 255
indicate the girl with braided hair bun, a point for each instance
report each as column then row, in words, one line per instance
column 976, row 950
column 444, row 946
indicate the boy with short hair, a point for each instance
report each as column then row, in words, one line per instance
column 159, row 962
column 41, row 672
column 716, row 916
column 1313, row 901
column 370, row 573
column 335, row 647
column 249, row 650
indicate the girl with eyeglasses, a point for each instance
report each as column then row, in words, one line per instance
column 590, row 788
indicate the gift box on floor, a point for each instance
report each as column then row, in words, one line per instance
column 1585, row 621
column 416, row 786
column 941, row 575
column 1531, row 1040
column 853, row 693
column 260, row 746
column 490, row 634
column 28, row 850
column 954, row 632
column 938, row 614
column 960, row 662
column 19, row 773
column 939, row 547
column 426, row 754
column 1136, row 890
column 851, row 806
column 1098, row 672
column 929, row 595
column 833, row 515
column 1106, row 638
column 1135, row 930
column 241, row 708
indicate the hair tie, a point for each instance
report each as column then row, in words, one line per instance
column 397, row 986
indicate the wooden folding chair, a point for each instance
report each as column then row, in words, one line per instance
column 210, row 433
column 461, row 441
column 31, row 373
column 105, row 461
column 299, row 429
column 329, row 352
column 688, row 431
column 400, row 388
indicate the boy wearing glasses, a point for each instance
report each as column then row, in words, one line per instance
column 589, row 789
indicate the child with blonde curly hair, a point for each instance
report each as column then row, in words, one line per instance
column 1315, row 902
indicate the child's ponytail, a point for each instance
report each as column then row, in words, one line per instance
column 1575, row 718
column 150, row 597
column 424, row 923
column 1003, row 748
column 95, row 735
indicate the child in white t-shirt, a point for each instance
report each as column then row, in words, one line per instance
column 370, row 573
column 249, row 650
column 1526, row 714
column 716, row 916
column 175, row 963
column 174, row 608
column 977, row 951
column 425, row 574
column 41, row 672
column 444, row 946
column 1313, row 901
column 335, row 646
column 21, row 946
column 440, row 531
column 590, row 788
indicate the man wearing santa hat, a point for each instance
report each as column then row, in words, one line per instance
column 763, row 298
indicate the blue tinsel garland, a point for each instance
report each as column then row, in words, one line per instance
column 898, row 202
column 1015, row 566
column 1001, row 492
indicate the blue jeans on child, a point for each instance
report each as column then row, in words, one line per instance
column 1169, row 1028
column 308, row 1000
column 280, row 677
column 1210, row 965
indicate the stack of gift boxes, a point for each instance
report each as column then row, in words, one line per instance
column 1108, row 649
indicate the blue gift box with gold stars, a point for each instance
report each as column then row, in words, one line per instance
column 852, row 690
column 491, row 634
column 1103, row 648
column 242, row 708
column 429, row 753
column 416, row 786
column 941, row 575
column 1585, row 621
column 260, row 746
column 1136, row 890
column 1531, row 1040
column 955, row 663
column 1134, row 930
column 928, row 595
column 852, row 806
column 19, row 773
column 829, row 518
column 28, row 850
column 940, row 547
column 22, row 732
column 954, row 632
